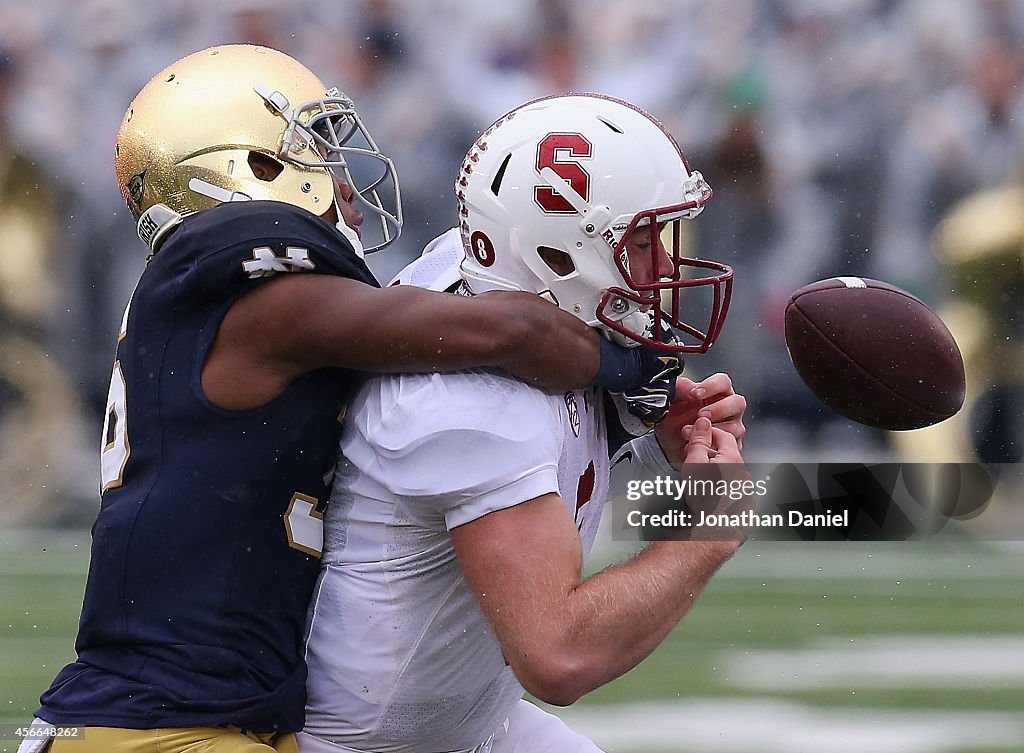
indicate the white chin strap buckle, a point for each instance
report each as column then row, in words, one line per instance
column 640, row 322
column 155, row 223
column 351, row 236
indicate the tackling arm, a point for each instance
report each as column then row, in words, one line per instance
column 301, row 322
column 564, row 636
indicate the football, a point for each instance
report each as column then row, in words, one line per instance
column 874, row 353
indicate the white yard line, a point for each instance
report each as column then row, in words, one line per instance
column 768, row 726
column 962, row 662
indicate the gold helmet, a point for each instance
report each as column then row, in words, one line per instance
column 241, row 122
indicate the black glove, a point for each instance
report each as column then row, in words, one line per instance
column 624, row 369
column 651, row 402
column 641, row 407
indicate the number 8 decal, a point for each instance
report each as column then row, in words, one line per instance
column 556, row 151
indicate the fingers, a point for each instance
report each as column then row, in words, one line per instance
column 699, row 445
column 683, row 398
column 690, row 395
column 727, row 409
column 713, row 398
column 726, row 446
column 714, row 388
column 727, row 414
column 709, row 444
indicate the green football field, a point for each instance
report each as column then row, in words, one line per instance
column 794, row 648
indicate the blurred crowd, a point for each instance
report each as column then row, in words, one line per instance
column 837, row 134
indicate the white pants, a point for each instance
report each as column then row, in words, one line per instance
column 533, row 730
column 528, row 729
column 36, row 744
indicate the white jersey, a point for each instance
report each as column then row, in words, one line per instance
column 400, row 656
column 401, row 659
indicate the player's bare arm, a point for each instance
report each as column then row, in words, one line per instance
column 297, row 323
column 564, row 636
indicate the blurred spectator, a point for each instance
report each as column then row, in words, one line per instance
column 962, row 130
column 107, row 55
column 846, row 130
column 39, row 409
column 981, row 242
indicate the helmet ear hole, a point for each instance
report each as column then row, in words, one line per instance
column 264, row 166
column 558, row 262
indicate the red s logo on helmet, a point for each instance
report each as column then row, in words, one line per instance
column 551, row 152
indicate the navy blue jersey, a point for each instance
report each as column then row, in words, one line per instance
column 206, row 547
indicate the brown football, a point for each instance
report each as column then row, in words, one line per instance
column 874, row 353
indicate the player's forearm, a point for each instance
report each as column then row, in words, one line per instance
column 543, row 345
column 404, row 328
column 613, row 620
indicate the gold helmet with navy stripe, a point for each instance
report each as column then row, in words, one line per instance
column 242, row 122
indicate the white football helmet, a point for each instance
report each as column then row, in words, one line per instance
column 193, row 136
column 551, row 192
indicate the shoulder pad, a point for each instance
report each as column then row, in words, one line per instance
column 240, row 241
column 406, row 430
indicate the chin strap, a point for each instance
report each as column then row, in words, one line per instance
column 594, row 220
column 352, row 237
column 640, row 322
column 350, row 233
column 155, row 223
